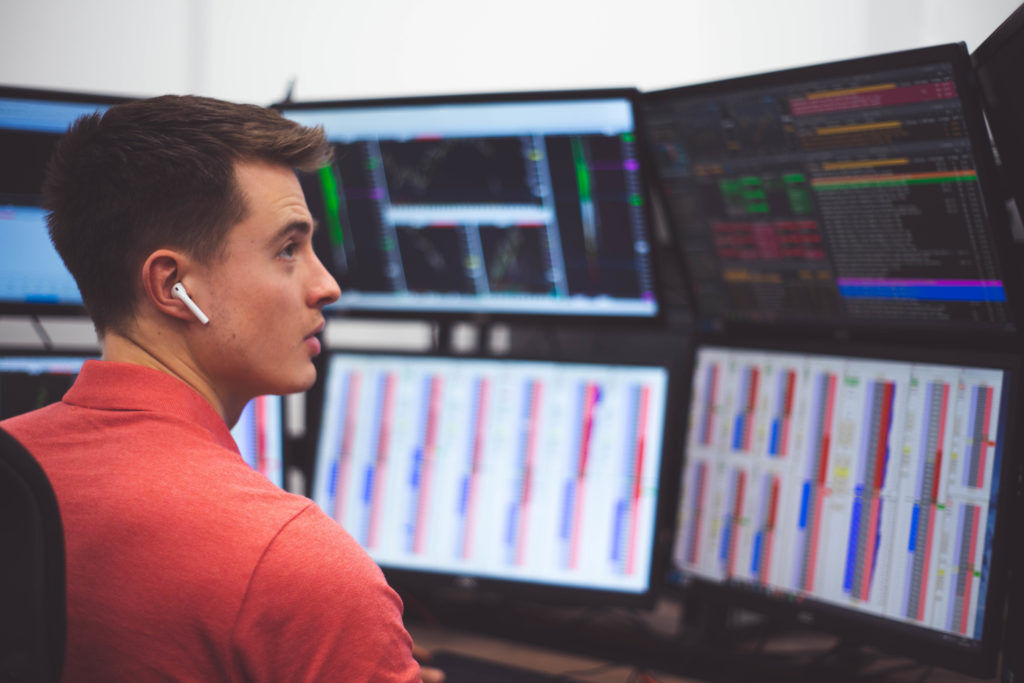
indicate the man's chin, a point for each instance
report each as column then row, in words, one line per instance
column 306, row 382
column 294, row 384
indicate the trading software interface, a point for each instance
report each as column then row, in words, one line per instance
column 864, row 483
column 526, row 471
column 258, row 434
column 31, row 271
column 848, row 197
column 523, row 207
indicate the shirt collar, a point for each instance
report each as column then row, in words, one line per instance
column 109, row 385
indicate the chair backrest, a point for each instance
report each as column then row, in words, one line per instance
column 33, row 612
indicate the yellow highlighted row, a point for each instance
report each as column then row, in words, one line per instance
column 889, row 178
column 857, row 128
column 850, row 91
column 870, row 163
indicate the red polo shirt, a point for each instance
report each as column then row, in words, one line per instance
column 183, row 563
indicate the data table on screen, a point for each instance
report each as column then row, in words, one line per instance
column 851, row 193
column 865, row 483
column 526, row 471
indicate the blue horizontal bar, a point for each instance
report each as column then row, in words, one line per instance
column 923, row 292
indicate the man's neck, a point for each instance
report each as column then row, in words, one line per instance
column 128, row 348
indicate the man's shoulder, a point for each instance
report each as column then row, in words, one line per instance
column 345, row 598
column 38, row 421
column 315, row 542
column 318, row 591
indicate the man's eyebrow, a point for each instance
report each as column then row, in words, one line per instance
column 301, row 227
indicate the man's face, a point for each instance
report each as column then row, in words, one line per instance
column 264, row 295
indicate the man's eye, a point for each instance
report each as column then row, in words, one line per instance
column 289, row 250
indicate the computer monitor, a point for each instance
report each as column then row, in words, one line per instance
column 30, row 381
column 501, row 205
column 259, row 434
column 995, row 64
column 32, row 275
column 870, row 491
column 527, row 478
column 855, row 194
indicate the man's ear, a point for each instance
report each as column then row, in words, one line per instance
column 160, row 272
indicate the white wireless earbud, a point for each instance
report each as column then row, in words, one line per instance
column 178, row 290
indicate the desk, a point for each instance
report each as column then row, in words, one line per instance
column 592, row 670
column 544, row 660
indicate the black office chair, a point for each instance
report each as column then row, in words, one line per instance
column 33, row 612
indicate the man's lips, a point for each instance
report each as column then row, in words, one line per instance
column 311, row 341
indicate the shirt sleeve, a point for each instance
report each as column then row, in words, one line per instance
column 318, row 608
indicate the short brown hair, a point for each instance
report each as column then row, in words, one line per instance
column 158, row 173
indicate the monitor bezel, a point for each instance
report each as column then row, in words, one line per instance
column 478, row 589
column 1006, row 138
column 630, row 94
column 997, row 219
column 924, row 644
column 39, row 308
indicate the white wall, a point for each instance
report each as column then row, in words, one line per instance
column 131, row 47
column 388, row 47
column 249, row 49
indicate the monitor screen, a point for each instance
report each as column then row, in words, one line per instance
column 259, row 436
column 32, row 274
column 850, row 194
column 524, row 204
column 533, row 472
column 28, row 382
column 865, row 485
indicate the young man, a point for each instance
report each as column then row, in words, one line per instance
column 187, row 232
